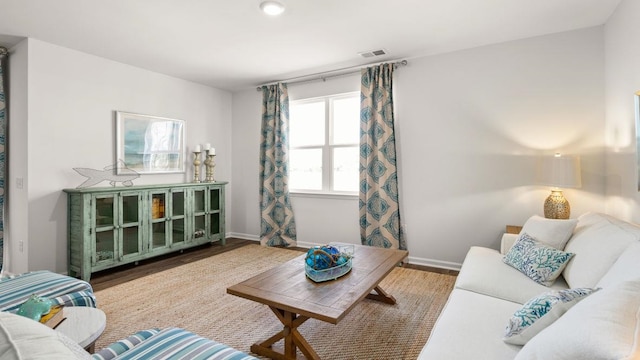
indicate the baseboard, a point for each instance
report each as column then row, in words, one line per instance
column 411, row 259
column 434, row 263
column 243, row 236
column 307, row 245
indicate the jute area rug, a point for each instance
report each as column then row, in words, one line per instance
column 193, row 297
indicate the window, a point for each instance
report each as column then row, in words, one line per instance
column 325, row 134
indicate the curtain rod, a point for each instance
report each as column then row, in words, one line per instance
column 322, row 75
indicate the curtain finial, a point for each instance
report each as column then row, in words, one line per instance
column 3, row 51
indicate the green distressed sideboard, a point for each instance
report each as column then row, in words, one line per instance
column 112, row 226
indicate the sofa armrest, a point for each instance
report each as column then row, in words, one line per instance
column 118, row 348
column 169, row 344
column 507, row 242
column 62, row 289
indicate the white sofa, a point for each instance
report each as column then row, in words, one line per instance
column 605, row 325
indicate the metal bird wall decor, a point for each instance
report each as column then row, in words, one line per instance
column 95, row 176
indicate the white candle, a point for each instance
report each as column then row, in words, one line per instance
column 197, row 149
column 212, row 151
column 207, row 146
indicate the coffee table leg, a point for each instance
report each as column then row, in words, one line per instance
column 381, row 295
column 292, row 339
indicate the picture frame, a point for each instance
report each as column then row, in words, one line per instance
column 149, row 144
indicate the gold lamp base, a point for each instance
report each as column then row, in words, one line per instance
column 556, row 206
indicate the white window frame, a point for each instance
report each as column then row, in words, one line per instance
column 327, row 150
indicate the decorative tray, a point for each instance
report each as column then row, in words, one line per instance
column 328, row 262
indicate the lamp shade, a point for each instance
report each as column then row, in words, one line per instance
column 560, row 171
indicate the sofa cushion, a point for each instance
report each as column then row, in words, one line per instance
column 540, row 312
column 484, row 272
column 602, row 326
column 626, row 268
column 597, row 241
column 552, row 232
column 23, row 338
column 470, row 327
column 540, row 262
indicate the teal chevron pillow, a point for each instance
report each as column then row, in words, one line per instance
column 540, row 262
column 540, row 312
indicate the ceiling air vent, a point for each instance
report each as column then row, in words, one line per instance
column 372, row 53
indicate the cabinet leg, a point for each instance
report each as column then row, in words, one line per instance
column 85, row 273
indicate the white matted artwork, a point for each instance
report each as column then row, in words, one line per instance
column 150, row 144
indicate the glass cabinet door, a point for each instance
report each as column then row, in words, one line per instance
column 214, row 212
column 104, row 240
column 130, row 224
column 177, row 218
column 199, row 216
column 158, row 231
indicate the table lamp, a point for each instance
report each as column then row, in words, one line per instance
column 559, row 172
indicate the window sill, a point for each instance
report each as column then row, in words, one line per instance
column 324, row 195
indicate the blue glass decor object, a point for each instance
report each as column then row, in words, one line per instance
column 322, row 257
column 328, row 262
column 35, row 307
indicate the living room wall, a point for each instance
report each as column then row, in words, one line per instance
column 470, row 127
column 64, row 107
column 622, row 82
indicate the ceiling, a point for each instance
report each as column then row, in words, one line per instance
column 232, row 45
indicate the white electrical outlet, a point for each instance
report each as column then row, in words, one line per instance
column 21, row 246
column 20, row 183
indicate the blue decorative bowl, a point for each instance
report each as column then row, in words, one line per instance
column 322, row 257
column 328, row 262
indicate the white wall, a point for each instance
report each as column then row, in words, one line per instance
column 16, row 216
column 72, row 97
column 245, row 140
column 622, row 82
column 470, row 125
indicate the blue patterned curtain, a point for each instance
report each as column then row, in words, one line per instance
column 379, row 209
column 278, row 226
column 3, row 119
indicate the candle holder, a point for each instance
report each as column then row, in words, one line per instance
column 210, row 163
column 206, row 167
column 196, row 166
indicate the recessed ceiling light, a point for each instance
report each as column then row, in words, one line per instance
column 272, row 8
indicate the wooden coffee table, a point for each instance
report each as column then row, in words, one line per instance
column 294, row 298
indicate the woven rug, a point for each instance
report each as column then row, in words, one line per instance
column 193, row 297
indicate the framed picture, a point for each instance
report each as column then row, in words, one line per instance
column 150, row 144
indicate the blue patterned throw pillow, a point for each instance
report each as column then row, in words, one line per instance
column 540, row 312
column 542, row 263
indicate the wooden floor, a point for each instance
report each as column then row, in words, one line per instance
column 107, row 278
